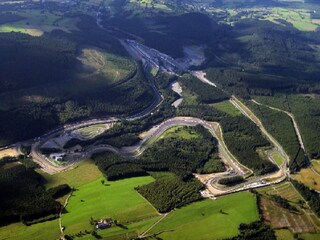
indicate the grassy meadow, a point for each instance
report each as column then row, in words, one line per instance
column 203, row 220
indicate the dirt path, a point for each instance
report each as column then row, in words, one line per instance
column 60, row 214
column 143, row 235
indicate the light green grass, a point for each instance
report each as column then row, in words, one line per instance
column 117, row 200
column 180, row 132
column 277, row 158
column 83, row 173
column 10, row 28
column 227, row 107
column 310, row 236
column 41, row 231
column 113, row 68
column 284, row 234
column 203, row 220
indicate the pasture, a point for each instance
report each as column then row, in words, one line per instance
column 113, row 68
column 99, row 199
column 278, row 217
column 181, row 132
column 208, row 219
column 83, row 173
column 37, row 22
column 316, row 165
column 39, row 231
column 227, row 107
column 309, row 178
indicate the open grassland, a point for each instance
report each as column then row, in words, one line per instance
column 227, row 107
column 208, row 219
column 40, row 231
column 85, row 172
column 316, row 165
column 117, row 200
column 278, row 217
column 299, row 18
column 37, row 22
column 276, row 156
column 180, row 132
column 113, row 68
column 284, row 234
column 309, row 178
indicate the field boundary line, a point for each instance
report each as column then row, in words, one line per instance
column 142, row 235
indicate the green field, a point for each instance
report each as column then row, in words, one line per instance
column 180, row 132
column 18, row 231
column 117, row 200
column 203, row 220
column 37, row 22
column 85, row 172
column 227, row 107
column 113, row 68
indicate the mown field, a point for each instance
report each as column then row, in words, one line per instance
column 203, row 220
column 309, row 178
column 117, row 200
column 37, row 22
column 180, row 132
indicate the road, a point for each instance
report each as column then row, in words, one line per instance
column 295, row 125
column 155, row 132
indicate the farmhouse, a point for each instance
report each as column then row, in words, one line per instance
column 104, row 223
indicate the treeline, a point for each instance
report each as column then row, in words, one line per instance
column 204, row 92
column 311, row 196
column 243, row 138
column 116, row 167
column 23, row 198
column 255, row 231
column 231, row 181
column 283, row 203
column 169, row 193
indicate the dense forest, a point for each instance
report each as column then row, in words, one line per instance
column 203, row 92
column 280, row 126
column 180, row 156
column 311, row 196
column 52, row 89
column 306, row 110
column 241, row 130
column 171, row 192
column 23, row 198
